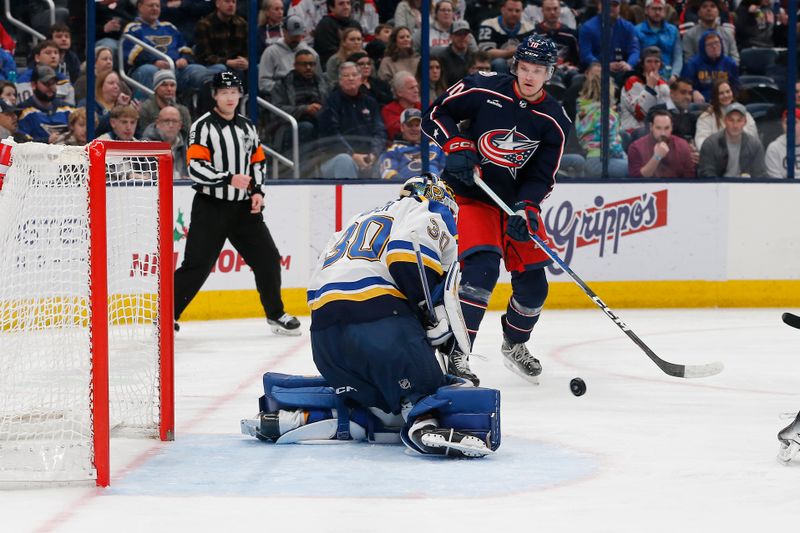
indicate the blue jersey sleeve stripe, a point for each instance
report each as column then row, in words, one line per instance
column 406, row 245
column 362, row 285
column 399, row 245
column 355, row 285
column 374, row 292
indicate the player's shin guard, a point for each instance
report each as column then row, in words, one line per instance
column 518, row 321
column 474, row 301
column 478, row 279
column 528, row 296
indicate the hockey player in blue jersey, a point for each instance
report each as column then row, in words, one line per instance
column 375, row 346
column 515, row 132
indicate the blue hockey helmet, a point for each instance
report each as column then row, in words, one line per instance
column 429, row 186
column 537, row 49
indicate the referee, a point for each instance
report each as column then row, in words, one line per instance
column 227, row 165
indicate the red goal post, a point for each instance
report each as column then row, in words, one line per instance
column 86, row 306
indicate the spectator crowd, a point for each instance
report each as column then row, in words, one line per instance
column 698, row 87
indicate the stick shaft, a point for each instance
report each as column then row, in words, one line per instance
column 672, row 369
column 422, row 277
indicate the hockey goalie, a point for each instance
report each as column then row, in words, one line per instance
column 383, row 302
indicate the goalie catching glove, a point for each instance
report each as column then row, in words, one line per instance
column 524, row 222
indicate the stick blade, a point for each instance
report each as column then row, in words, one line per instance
column 702, row 371
column 791, row 320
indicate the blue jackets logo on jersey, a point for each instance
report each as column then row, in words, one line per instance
column 506, row 148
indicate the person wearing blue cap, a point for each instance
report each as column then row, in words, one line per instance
column 403, row 159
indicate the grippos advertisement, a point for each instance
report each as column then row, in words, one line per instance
column 632, row 232
column 619, row 232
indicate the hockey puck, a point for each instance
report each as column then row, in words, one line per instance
column 577, row 386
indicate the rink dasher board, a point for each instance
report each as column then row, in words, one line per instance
column 609, row 232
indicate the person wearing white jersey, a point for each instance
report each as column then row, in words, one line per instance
column 374, row 337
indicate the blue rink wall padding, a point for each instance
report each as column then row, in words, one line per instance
column 235, row 465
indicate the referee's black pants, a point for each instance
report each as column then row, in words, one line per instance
column 212, row 222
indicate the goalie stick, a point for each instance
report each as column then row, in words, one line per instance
column 432, row 318
column 791, row 320
column 422, row 277
column 672, row 369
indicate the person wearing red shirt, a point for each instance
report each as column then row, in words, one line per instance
column 660, row 154
column 406, row 91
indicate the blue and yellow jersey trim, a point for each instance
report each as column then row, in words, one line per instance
column 352, row 291
column 403, row 251
column 27, row 111
column 64, row 108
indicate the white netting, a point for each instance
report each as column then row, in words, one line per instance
column 45, row 346
column 134, row 269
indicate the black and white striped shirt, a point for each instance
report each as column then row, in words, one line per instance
column 220, row 148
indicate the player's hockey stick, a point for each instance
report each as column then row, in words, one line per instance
column 791, row 320
column 672, row 369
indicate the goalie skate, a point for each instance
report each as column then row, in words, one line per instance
column 789, row 438
column 451, row 443
column 519, row 360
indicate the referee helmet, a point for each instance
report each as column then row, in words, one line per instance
column 225, row 80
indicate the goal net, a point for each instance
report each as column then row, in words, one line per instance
column 85, row 306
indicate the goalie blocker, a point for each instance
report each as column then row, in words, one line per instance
column 455, row 421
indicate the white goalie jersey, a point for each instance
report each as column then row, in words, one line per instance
column 369, row 270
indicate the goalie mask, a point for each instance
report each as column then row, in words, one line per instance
column 431, row 187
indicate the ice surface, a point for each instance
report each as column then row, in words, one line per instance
column 640, row 451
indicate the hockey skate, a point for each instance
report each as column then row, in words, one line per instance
column 264, row 427
column 458, row 365
column 519, row 360
column 285, row 325
column 790, row 441
column 449, row 442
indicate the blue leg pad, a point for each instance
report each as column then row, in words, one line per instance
column 314, row 395
column 471, row 410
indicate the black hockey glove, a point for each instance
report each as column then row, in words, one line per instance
column 462, row 158
column 524, row 222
